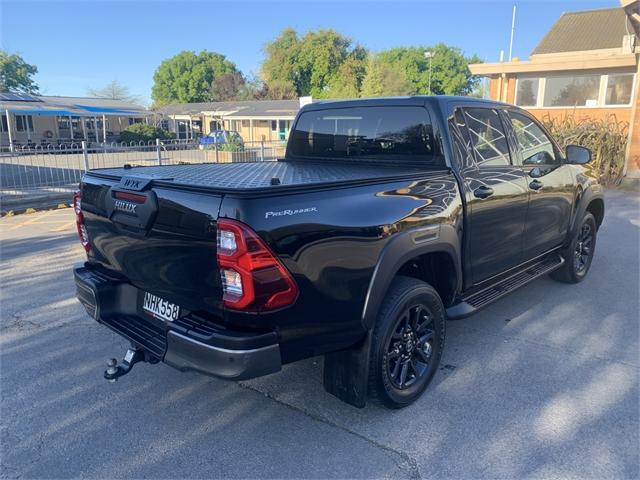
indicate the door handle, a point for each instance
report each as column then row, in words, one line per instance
column 483, row 192
column 536, row 185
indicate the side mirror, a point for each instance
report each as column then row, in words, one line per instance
column 578, row 155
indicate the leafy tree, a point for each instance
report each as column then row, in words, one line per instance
column 348, row 81
column 227, row 87
column 311, row 63
column 188, row 77
column 282, row 57
column 277, row 90
column 141, row 132
column 16, row 75
column 383, row 80
column 114, row 90
column 450, row 73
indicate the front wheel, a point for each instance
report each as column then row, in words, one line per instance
column 579, row 254
column 407, row 342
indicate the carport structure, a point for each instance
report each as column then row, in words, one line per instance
column 30, row 120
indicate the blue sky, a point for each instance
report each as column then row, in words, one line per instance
column 77, row 45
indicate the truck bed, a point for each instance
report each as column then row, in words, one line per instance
column 261, row 175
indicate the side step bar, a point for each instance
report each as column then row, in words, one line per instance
column 478, row 300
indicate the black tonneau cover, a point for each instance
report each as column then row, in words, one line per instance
column 262, row 175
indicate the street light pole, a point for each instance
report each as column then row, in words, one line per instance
column 429, row 55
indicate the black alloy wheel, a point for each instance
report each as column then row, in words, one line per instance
column 578, row 254
column 583, row 252
column 407, row 342
column 410, row 347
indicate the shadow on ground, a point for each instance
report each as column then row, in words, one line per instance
column 543, row 383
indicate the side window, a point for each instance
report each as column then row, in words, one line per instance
column 461, row 142
column 536, row 147
column 487, row 137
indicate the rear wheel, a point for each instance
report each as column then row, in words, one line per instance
column 579, row 254
column 407, row 342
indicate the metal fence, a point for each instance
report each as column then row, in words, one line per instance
column 60, row 167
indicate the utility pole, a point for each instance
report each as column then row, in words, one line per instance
column 429, row 55
column 513, row 28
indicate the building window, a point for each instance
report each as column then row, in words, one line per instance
column 22, row 121
column 164, row 125
column 572, row 91
column 274, row 125
column 245, row 123
column 619, row 89
column 527, row 92
column 133, row 120
column 3, row 124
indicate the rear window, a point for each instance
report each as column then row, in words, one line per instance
column 365, row 133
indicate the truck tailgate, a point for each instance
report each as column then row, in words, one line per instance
column 163, row 242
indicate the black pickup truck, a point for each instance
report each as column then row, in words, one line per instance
column 385, row 218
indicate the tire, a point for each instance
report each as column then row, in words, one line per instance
column 409, row 330
column 579, row 254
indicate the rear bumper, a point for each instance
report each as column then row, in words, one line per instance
column 189, row 343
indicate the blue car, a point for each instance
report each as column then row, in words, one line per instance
column 221, row 137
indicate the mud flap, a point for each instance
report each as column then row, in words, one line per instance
column 346, row 373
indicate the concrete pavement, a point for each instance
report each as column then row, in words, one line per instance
column 544, row 383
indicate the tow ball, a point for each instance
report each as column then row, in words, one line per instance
column 113, row 371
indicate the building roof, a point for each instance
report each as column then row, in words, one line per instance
column 237, row 109
column 74, row 106
column 587, row 30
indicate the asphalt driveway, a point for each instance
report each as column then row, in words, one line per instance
column 544, row 383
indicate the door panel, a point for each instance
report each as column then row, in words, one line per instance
column 497, row 195
column 550, row 186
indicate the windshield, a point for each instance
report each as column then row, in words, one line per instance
column 368, row 133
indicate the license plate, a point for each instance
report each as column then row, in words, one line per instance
column 160, row 308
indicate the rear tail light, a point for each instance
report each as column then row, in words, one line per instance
column 82, row 230
column 253, row 279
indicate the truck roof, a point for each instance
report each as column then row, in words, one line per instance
column 409, row 100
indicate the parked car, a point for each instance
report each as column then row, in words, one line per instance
column 385, row 218
column 220, row 137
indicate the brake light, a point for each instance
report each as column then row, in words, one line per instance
column 82, row 230
column 253, row 279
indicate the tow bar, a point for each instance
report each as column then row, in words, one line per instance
column 133, row 356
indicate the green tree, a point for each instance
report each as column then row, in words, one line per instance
column 277, row 90
column 383, row 80
column 227, row 87
column 311, row 63
column 188, row 77
column 16, row 75
column 114, row 90
column 450, row 73
column 348, row 82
